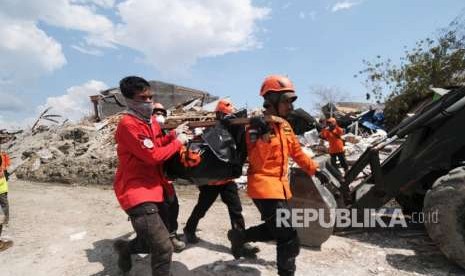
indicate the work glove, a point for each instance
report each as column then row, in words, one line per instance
column 182, row 128
column 198, row 131
column 322, row 176
column 182, row 137
column 260, row 125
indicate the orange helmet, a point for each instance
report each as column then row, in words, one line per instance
column 331, row 121
column 159, row 107
column 225, row 106
column 276, row 83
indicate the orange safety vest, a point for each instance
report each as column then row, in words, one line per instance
column 5, row 162
column 336, row 144
column 268, row 162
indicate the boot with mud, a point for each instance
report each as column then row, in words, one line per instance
column 239, row 248
column 124, row 256
column 178, row 245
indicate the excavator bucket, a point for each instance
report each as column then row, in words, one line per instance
column 313, row 197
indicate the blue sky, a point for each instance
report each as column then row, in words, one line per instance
column 57, row 52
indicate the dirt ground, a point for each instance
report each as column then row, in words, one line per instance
column 69, row 230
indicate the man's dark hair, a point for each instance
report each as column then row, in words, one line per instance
column 132, row 84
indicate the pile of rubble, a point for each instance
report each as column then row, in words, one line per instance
column 77, row 153
column 72, row 153
column 354, row 146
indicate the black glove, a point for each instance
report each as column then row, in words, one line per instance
column 322, row 176
column 260, row 125
column 226, row 120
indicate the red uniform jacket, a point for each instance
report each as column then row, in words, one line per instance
column 142, row 149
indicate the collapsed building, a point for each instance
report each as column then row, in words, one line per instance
column 111, row 101
column 358, row 118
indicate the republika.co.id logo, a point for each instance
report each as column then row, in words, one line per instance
column 356, row 218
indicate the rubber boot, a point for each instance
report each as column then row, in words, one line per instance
column 124, row 256
column 237, row 239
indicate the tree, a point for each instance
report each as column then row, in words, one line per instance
column 431, row 63
column 325, row 95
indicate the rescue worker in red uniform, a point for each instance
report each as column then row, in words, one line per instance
column 171, row 199
column 333, row 134
column 227, row 189
column 269, row 146
column 139, row 180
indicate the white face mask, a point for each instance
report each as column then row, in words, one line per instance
column 160, row 119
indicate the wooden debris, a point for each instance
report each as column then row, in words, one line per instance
column 237, row 121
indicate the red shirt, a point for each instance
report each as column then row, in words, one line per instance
column 142, row 149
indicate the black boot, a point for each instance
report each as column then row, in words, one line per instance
column 190, row 237
column 237, row 239
column 249, row 251
column 124, row 256
column 286, row 273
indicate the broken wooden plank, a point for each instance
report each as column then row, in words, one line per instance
column 237, row 121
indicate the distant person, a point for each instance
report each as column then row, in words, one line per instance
column 139, row 180
column 225, row 188
column 171, row 199
column 333, row 134
column 5, row 210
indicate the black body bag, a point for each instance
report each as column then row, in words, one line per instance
column 222, row 152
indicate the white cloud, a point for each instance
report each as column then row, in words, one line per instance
column 75, row 103
column 101, row 3
column 60, row 13
column 26, row 51
column 173, row 34
column 301, row 15
column 77, row 15
column 344, row 5
column 86, row 50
